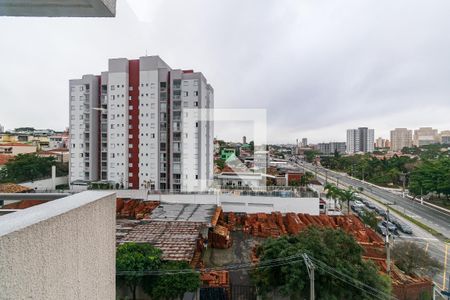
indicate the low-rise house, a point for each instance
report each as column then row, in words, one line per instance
column 17, row 148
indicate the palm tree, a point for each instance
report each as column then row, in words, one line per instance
column 332, row 192
column 347, row 195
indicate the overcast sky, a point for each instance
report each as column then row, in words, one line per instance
column 318, row 67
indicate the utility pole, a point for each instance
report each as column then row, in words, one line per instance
column 362, row 173
column 310, row 267
column 388, row 249
column 388, row 242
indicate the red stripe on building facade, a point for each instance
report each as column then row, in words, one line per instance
column 133, row 130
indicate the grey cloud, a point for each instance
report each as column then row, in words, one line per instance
column 318, row 67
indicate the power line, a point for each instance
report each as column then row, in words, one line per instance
column 298, row 258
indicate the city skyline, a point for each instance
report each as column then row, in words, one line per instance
column 325, row 74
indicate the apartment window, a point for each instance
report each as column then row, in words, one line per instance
column 130, row 88
column 196, row 103
column 152, row 135
column 112, row 88
column 185, row 94
column 196, row 93
column 195, row 82
column 196, row 176
column 163, row 85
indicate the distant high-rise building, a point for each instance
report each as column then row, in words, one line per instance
column 401, row 138
column 425, row 136
column 244, row 140
column 331, row 148
column 2, row 128
column 360, row 140
column 304, row 142
column 445, row 137
column 380, row 142
column 138, row 126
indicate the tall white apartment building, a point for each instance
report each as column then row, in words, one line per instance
column 425, row 136
column 400, row 138
column 84, row 128
column 149, row 128
column 360, row 140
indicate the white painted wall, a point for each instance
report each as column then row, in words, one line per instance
column 46, row 184
column 118, row 127
column 246, row 204
column 62, row 249
column 148, row 127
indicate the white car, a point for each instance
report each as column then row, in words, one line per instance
column 358, row 203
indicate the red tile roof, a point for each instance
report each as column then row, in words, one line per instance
column 176, row 239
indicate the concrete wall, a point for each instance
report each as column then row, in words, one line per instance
column 247, row 204
column 63, row 249
column 46, row 184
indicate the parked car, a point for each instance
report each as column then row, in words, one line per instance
column 370, row 205
column 403, row 227
column 392, row 228
column 358, row 203
column 355, row 208
column 381, row 229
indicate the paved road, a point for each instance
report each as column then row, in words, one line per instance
column 435, row 219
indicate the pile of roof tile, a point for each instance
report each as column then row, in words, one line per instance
column 13, row 188
column 219, row 237
column 264, row 225
column 215, row 278
column 135, row 209
column 275, row 225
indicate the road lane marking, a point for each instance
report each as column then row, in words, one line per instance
column 445, row 266
column 419, row 238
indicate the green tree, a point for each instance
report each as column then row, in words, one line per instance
column 332, row 192
column 133, row 260
column 177, row 279
column 431, row 176
column 330, row 249
column 310, row 155
column 220, row 163
column 370, row 219
column 347, row 196
column 413, row 259
column 27, row 167
column 306, row 178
